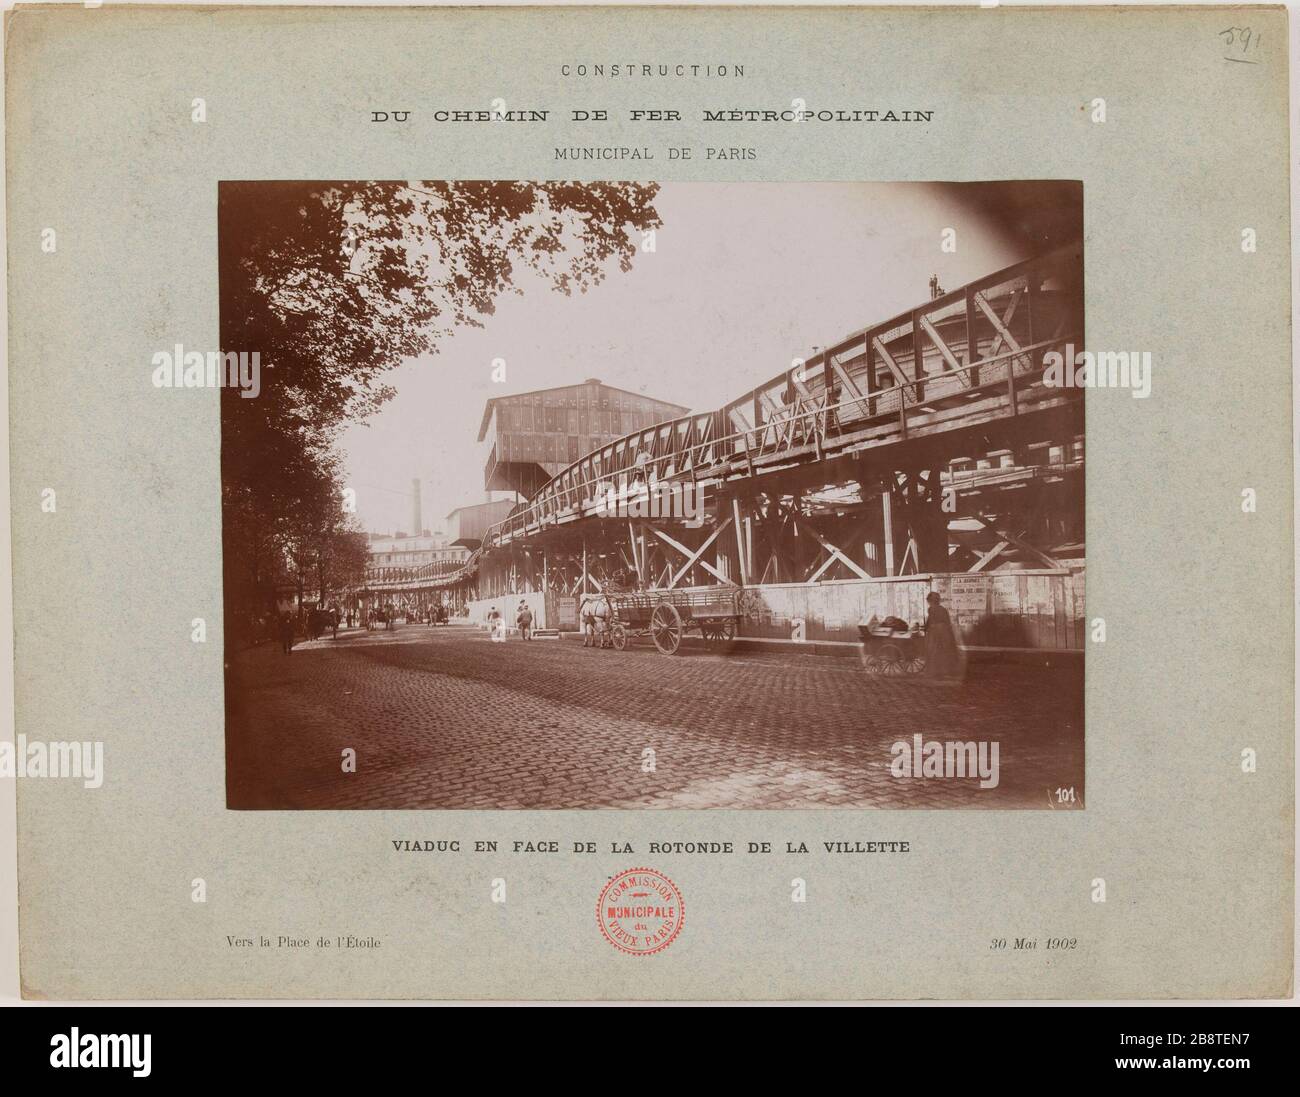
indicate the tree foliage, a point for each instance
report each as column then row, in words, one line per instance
column 335, row 284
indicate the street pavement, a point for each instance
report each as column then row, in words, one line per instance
column 446, row 718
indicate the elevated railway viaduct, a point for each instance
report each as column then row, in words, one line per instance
column 925, row 452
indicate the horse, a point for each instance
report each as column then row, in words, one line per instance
column 595, row 612
column 320, row 619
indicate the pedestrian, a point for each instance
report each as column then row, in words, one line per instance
column 286, row 633
column 496, row 625
column 524, row 619
column 942, row 659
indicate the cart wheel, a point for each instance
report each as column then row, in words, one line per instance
column 666, row 628
column 892, row 661
column 870, row 661
column 916, row 664
column 719, row 632
column 725, row 633
column 618, row 637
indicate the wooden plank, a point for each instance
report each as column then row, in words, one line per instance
column 887, row 514
column 989, row 556
column 899, row 376
column 937, row 339
column 835, row 552
column 1019, row 542
column 741, row 555
column 694, row 558
column 1000, row 325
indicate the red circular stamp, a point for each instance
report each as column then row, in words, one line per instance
column 640, row 911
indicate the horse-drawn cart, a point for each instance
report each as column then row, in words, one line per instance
column 668, row 615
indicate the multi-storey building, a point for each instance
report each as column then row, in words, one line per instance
column 538, row 434
column 401, row 555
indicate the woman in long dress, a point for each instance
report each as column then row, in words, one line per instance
column 942, row 659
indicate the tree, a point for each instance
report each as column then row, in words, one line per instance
column 334, row 284
column 341, row 560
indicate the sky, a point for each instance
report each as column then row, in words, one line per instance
column 744, row 277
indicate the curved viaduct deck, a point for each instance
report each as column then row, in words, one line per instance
column 886, row 408
column 960, row 362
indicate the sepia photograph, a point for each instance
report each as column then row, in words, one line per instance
column 623, row 495
column 591, row 506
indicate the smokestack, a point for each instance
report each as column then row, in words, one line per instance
column 417, row 526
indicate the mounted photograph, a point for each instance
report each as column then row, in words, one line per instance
column 629, row 495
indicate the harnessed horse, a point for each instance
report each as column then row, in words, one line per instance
column 596, row 612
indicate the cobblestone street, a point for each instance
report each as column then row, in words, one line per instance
column 445, row 718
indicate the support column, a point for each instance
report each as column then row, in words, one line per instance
column 887, row 514
column 742, row 555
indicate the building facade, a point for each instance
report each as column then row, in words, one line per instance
column 400, row 556
column 535, row 435
column 466, row 526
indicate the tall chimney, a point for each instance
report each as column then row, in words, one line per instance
column 417, row 526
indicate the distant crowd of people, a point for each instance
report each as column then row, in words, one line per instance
column 314, row 622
